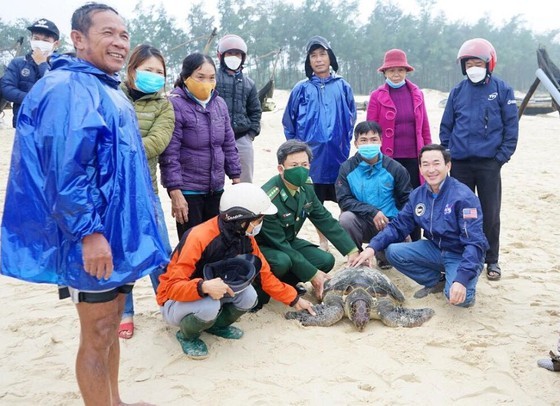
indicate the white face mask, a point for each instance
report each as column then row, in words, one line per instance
column 256, row 230
column 44, row 46
column 476, row 74
column 232, row 62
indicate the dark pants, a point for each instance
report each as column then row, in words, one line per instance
column 482, row 175
column 360, row 230
column 411, row 166
column 201, row 208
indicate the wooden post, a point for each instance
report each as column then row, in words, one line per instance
column 527, row 98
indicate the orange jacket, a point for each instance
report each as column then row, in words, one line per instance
column 202, row 245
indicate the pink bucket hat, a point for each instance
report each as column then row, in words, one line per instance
column 395, row 58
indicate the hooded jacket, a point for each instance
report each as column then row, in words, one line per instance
column 202, row 149
column 78, row 168
column 322, row 113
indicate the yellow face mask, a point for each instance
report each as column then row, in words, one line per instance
column 200, row 90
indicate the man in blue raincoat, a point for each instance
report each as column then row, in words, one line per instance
column 80, row 209
column 321, row 112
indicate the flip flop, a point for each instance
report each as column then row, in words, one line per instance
column 126, row 330
column 493, row 272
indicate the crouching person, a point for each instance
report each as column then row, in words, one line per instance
column 207, row 284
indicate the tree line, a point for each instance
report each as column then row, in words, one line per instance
column 276, row 33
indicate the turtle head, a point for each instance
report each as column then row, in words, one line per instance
column 359, row 306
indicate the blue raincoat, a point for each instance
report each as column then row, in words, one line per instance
column 78, row 167
column 322, row 113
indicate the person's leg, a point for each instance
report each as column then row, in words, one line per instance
column 322, row 192
column 464, row 172
column 126, row 327
column 419, row 260
column 211, row 206
column 97, row 361
column 489, row 189
column 354, row 226
column 232, row 309
column 451, row 262
column 322, row 260
column 246, row 156
column 411, row 166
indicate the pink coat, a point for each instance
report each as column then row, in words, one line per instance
column 382, row 110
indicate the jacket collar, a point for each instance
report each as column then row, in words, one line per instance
column 72, row 63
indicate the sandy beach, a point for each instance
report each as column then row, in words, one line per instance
column 482, row 355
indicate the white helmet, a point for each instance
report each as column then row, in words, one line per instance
column 245, row 201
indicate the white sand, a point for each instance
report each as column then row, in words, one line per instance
column 483, row 355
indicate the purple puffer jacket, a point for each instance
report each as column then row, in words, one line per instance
column 202, row 149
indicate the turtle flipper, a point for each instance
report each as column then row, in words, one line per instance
column 327, row 315
column 396, row 316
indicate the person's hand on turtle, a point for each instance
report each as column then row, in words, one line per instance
column 353, row 256
column 364, row 257
column 303, row 304
column 216, row 288
column 318, row 281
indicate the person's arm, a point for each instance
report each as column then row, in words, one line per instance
column 447, row 121
column 289, row 119
column 508, row 109
column 10, row 82
column 159, row 135
column 232, row 164
column 351, row 103
column 426, row 133
column 254, row 112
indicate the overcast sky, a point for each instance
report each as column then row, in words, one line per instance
column 540, row 15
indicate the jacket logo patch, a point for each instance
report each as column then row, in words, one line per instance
column 307, row 206
column 25, row 72
column 447, row 209
column 492, row 96
column 420, row 209
column 470, row 213
column 512, row 101
column 286, row 215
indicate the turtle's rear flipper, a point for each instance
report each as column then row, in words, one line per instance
column 326, row 316
column 394, row 316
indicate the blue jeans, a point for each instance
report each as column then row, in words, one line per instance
column 154, row 276
column 423, row 262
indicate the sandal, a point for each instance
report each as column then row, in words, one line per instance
column 552, row 364
column 493, row 272
column 126, row 330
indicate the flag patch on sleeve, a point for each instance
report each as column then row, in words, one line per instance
column 470, row 213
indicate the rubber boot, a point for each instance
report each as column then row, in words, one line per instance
column 222, row 327
column 188, row 336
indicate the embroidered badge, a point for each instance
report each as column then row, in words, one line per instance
column 492, row 96
column 420, row 209
column 470, row 213
column 447, row 209
column 25, row 72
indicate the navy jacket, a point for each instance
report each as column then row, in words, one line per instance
column 452, row 220
column 19, row 77
column 480, row 121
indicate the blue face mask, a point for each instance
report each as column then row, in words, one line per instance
column 369, row 151
column 148, row 82
column 395, row 85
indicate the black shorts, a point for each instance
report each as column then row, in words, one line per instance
column 80, row 296
column 325, row 191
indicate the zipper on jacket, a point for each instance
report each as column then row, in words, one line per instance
column 486, row 119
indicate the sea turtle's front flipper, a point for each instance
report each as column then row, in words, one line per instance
column 327, row 314
column 396, row 316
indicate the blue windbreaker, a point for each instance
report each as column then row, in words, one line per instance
column 480, row 121
column 322, row 113
column 78, row 167
column 452, row 220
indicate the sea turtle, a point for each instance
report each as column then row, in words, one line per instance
column 362, row 294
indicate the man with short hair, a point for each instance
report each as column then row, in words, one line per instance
column 321, row 112
column 80, row 208
column 371, row 188
column 240, row 93
column 450, row 214
column 22, row 72
column 293, row 259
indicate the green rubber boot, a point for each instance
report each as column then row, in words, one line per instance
column 188, row 336
column 223, row 328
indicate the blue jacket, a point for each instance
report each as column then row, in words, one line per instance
column 452, row 220
column 480, row 121
column 322, row 113
column 78, row 167
column 19, row 77
column 365, row 189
